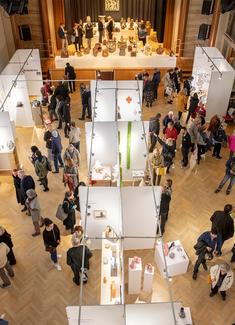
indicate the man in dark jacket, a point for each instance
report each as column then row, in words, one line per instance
column 75, row 260
column 62, row 34
column 223, row 223
column 186, row 145
column 71, row 75
column 206, row 244
column 154, row 130
column 56, row 148
column 26, row 184
column 86, row 103
column 66, row 117
column 229, row 175
column 165, row 204
column 61, row 91
column 156, row 81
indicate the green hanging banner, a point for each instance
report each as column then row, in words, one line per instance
column 128, row 156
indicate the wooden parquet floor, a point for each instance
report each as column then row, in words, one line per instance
column 39, row 294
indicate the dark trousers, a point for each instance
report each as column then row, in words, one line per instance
column 155, row 91
column 143, row 40
column 72, row 86
column 216, row 289
column 53, row 115
column 217, row 148
column 200, row 260
column 185, row 152
column 66, row 129
column 100, row 36
column 58, row 158
column 60, row 122
column 164, row 217
column 85, row 108
column 188, row 117
column 110, row 33
column 77, row 145
column 153, row 142
column 54, row 255
column 179, row 115
column 3, row 274
column 200, row 151
column 44, row 182
column 156, row 177
column 77, row 43
column 76, row 273
column 11, row 257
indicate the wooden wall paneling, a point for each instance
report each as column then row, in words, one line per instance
column 45, row 25
column 183, row 23
column 169, row 24
column 215, row 22
column 59, row 17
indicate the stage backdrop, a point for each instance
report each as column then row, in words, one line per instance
column 153, row 10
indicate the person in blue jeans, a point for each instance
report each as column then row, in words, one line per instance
column 207, row 243
column 51, row 238
column 56, row 148
column 229, row 176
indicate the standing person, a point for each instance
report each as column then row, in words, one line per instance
column 52, row 108
column 42, row 167
column 218, row 136
column 75, row 260
column 158, row 168
column 34, row 210
column 72, row 153
column 71, row 75
column 221, row 279
column 188, row 86
column 33, row 157
column 5, row 237
column 76, row 196
column 223, row 223
column 171, row 132
column 165, row 204
column 56, row 148
column 194, row 133
column 16, row 181
column 51, row 238
column 47, row 138
column 75, row 34
column 156, row 81
column 142, row 33
column 62, row 34
column 154, row 130
column 181, row 103
column 148, row 91
column 75, row 135
column 100, row 30
column 185, row 147
column 88, row 31
column 194, row 100
column 61, row 91
column 70, row 176
column 206, row 244
column 168, row 152
column 110, row 27
column 5, row 266
column 69, row 208
column 231, row 144
column 26, row 183
column 168, row 118
column 67, row 117
column 176, row 79
column 86, row 103
column 229, row 176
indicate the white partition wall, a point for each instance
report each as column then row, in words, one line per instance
column 7, row 141
column 214, row 86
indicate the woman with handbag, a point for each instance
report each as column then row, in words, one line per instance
column 51, row 238
column 221, row 277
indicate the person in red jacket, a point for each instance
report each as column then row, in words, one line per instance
column 171, row 132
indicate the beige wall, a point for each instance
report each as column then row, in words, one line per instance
column 7, row 46
column 176, row 24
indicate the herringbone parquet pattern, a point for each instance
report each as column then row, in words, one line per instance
column 39, row 294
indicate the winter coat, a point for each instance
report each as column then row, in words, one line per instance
column 213, row 244
column 74, row 156
column 223, row 223
column 227, row 281
column 156, row 78
column 165, row 202
column 66, row 113
column 56, row 145
column 75, row 257
column 41, row 167
column 68, row 208
column 17, row 182
column 219, row 135
column 231, row 142
column 69, row 71
column 193, row 104
column 168, row 152
column 154, row 125
column 26, row 183
column 34, row 208
column 186, row 141
column 51, row 237
column 4, row 250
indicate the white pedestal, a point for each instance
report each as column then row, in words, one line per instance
column 148, row 280
column 177, row 265
column 134, row 278
column 187, row 320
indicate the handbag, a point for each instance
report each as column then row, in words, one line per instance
column 60, row 214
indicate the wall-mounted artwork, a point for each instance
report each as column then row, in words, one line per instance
column 112, row 5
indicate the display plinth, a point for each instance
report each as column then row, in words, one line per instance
column 134, row 278
column 175, row 266
column 148, row 280
column 110, row 283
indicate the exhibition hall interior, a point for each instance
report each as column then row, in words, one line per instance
column 117, row 162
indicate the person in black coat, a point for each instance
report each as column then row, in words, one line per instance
column 186, row 145
column 86, row 103
column 109, row 28
column 88, row 31
column 223, row 223
column 17, row 182
column 156, row 81
column 66, row 117
column 69, row 208
column 165, row 204
column 61, row 91
column 75, row 260
column 26, row 183
column 194, row 100
column 62, row 34
column 51, row 239
column 71, row 75
column 52, row 108
column 100, row 29
column 5, row 237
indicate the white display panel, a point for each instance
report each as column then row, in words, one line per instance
column 7, row 141
column 139, row 216
column 121, row 95
column 101, row 198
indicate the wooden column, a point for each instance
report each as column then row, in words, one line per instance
column 215, row 23
column 169, row 24
column 45, row 26
column 183, row 24
column 59, row 17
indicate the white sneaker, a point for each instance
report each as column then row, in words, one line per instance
column 58, row 267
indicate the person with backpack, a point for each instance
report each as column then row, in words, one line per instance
column 51, row 239
column 218, row 137
column 71, row 75
column 206, row 245
column 229, row 176
column 42, row 167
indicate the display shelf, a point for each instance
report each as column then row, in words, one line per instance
column 134, row 277
column 110, row 272
column 148, row 280
column 176, row 265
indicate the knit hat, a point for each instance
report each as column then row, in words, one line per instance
column 31, row 193
column 54, row 133
column 2, row 230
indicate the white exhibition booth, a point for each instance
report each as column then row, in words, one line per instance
column 214, row 88
column 116, row 100
column 7, row 141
